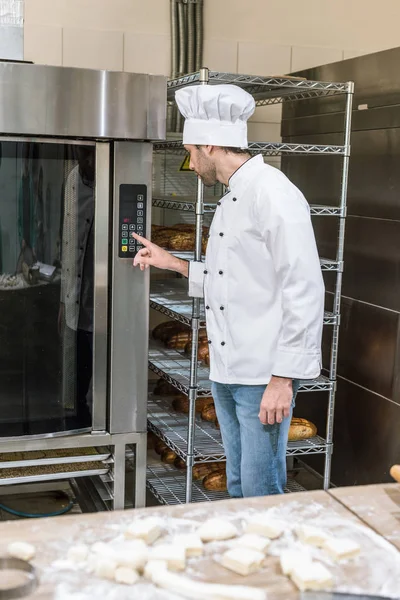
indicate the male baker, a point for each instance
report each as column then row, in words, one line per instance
column 262, row 287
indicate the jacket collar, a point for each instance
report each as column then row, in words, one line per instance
column 242, row 174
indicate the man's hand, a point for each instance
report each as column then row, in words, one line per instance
column 154, row 256
column 276, row 401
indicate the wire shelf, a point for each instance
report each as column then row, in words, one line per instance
column 172, row 428
column 182, row 204
column 265, row 90
column 188, row 205
column 264, row 148
column 170, row 298
column 168, row 486
column 175, row 368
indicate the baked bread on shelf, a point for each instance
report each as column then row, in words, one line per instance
column 301, row 429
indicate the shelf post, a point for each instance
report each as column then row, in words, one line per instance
column 338, row 285
column 199, row 210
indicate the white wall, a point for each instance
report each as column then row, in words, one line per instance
column 249, row 36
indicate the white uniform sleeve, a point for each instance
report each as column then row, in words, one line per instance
column 289, row 235
column 196, row 279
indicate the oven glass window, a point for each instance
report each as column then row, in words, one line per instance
column 47, row 196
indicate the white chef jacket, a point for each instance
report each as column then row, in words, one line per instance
column 261, row 281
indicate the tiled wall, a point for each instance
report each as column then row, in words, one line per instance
column 256, row 37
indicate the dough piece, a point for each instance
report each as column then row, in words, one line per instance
column 21, row 550
column 191, row 542
column 312, row 576
column 101, row 549
column 147, row 530
column 311, row 535
column 216, row 530
column 78, row 554
column 265, row 525
column 290, row 559
column 341, row 549
column 172, row 554
column 104, row 567
column 253, row 541
column 132, row 555
column 154, row 566
column 242, row 560
column 197, row 590
column 126, row 576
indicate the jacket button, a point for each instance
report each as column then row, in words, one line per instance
column 218, row 203
column 205, row 272
column 222, row 343
column 221, row 234
column 209, row 341
column 221, row 272
column 234, row 199
column 221, row 308
column 207, row 308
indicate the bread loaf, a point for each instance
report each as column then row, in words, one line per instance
column 178, row 340
column 181, row 404
column 168, row 456
column 167, row 328
column 160, row 446
column 179, row 463
column 201, row 470
column 208, row 413
column 163, row 388
column 216, row 481
column 151, row 440
column 301, row 429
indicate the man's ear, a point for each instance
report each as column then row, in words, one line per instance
column 208, row 150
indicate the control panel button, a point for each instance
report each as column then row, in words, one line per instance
column 140, row 227
column 124, row 226
column 140, row 219
column 131, row 233
column 140, row 213
column 131, row 248
column 140, row 204
column 124, row 241
column 132, row 226
column 124, row 248
column 140, row 198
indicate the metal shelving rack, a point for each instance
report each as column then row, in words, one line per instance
column 190, row 438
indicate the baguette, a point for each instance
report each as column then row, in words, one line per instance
column 168, row 456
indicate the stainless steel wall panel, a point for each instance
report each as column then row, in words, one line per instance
column 367, row 416
column 372, row 261
column 366, row 436
column 376, row 76
column 66, row 102
column 367, row 346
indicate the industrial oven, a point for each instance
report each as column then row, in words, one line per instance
column 75, row 183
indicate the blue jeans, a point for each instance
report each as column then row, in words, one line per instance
column 255, row 453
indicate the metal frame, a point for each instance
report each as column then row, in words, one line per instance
column 189, row 437
column 115, row 466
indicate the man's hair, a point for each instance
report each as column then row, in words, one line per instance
column 231, row 150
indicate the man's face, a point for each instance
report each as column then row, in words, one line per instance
column 202, row 163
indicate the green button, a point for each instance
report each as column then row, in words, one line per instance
column 124, row 241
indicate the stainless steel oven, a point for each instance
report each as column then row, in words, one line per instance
column 75, row 184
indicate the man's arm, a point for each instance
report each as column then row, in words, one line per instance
column 290, row 239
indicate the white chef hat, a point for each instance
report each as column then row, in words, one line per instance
column 215, row 115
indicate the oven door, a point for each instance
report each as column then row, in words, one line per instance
column 53, row 207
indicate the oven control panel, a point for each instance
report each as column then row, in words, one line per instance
column 132, row 218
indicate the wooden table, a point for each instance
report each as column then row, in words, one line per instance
column 53, row 537
column 376, row 505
